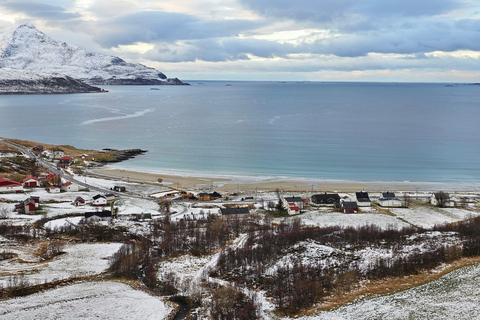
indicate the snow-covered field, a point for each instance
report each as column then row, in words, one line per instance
column 93, row 300
column 79, row 260
column 453, row 296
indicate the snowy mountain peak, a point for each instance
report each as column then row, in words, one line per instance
column 27, row 48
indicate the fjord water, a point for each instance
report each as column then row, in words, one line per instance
column 339, row 131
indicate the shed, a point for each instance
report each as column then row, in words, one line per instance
column 349, row 207
column 31, row 182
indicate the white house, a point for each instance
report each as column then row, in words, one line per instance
column 70, row 187
column 31, row 182
column 53, row 190
column 388, row 199
column 9, row 186
column 99, row 200
column 362, row 199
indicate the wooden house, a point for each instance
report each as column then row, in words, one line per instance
column 38, row 148
column 349, row 206
column 204, row 196
column 79, row 201
column 99, row 200
column 70, row 187
column 53, row 189
column 10, row 186
column 29, row 206
column 330, row 199
column 57, row 154
column 64, row 162
column 388, row 199
column 31, row 182
column 119, row 189
column 363, row 200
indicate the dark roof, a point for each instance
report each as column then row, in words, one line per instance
column 350, row 205
column 362, row 196
column 215, row 194
column 203, row 194
column 326, row 198
column 100, row 214
column 98, row 196
column 293, row 199
column 388, row 195
column 235, row 211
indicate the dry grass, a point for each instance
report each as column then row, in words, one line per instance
column 69, row 150
column 389, row 286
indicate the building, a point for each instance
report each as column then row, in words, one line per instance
column 362, row 199
column 98, row 215
column 64, row 162
column 388, row 199
column 38, row 148
column 57, row 154
column 10, row 186
column 440, row 197
column 79, row 201
column 70, row 187
column 31, row 182
column 349, row 207
column 99, row 200
column 230, row 211
column 29, row 206
column 119, row 189
column 53, row 189
column 328, row 199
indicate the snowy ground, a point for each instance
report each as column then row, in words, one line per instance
column 455, row 295
column 94, row 300
column 79, row 260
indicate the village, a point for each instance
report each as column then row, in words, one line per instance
column 63, row 196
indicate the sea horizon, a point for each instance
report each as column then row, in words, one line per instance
column 311, row 130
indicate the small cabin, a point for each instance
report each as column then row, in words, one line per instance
column 349, row 207
column 99, row 200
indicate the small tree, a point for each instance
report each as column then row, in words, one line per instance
column 441, row 198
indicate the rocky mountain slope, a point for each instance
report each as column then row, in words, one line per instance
column 24, row 82
column 28, row 49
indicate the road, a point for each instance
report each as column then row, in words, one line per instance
column 66, row 177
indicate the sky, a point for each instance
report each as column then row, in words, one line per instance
column 298, row 40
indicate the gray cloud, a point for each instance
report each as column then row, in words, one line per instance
column 153, row 26
column 39, row 10
column 339, row 10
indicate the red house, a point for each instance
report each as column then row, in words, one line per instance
column 64, row 162
column 31, row 182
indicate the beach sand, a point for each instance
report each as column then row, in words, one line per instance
column 230, row 185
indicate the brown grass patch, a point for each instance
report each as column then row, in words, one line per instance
column 389, row 286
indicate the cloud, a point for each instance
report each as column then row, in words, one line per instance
column 39, row 10
column 158, row 26
column 339, row 10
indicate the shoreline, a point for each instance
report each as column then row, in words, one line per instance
column 193, row 181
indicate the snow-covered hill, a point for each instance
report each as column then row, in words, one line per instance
column 27, row 48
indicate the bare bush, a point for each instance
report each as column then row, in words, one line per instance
column 49, row 249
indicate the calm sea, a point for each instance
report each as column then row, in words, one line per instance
column 338, row 131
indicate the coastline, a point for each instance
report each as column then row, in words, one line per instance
column 193, row 181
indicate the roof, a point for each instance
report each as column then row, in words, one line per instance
column 215, row 194
column 388, row 195
column 100, row 214
column 329, row 198
column 350, row 205
column 7, row 183
column 98, row 196
column 293, row 199
column 362, row 196
column 228, row 211
column 30, row 178
column 66, row 184
column 51, row 175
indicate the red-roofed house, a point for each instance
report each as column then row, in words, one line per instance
column 70, row 187
column 31, row 182
column 53, row 190
column 64, row 162
column 9, row 186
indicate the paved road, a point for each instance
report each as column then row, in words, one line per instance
column 64, row 176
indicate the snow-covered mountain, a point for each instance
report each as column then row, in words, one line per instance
column 27, row 48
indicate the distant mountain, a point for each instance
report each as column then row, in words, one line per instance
column 13, row 81
column 27, row 48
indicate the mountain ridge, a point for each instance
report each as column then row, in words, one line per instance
column 26, row 48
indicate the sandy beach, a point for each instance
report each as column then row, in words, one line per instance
column 187, row 182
